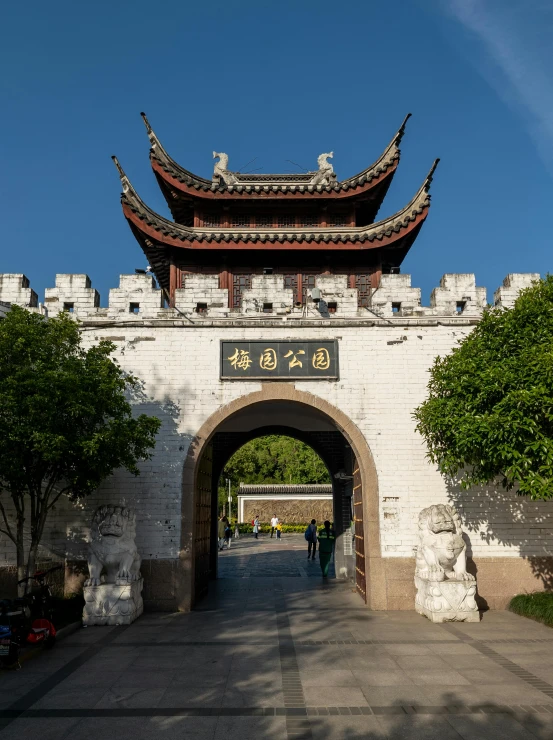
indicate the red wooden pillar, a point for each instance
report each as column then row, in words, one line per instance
column 173, row 284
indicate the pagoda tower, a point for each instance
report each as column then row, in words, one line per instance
column 296, row 225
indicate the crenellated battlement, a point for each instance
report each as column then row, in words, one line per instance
column 138, row 297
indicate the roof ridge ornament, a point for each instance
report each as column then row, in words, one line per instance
column 401, row 130
column 125, row 182
column 430, row 175
column 221, row 171
column 154, row 141
column 325, row 175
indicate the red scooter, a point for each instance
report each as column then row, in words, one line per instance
column 39, row 602
column 27, row 619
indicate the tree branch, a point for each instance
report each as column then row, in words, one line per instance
column 9, row 533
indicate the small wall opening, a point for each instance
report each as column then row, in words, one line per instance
column 134, row 307
column 69, row 307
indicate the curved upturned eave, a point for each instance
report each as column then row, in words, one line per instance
column 183, row 181
column 381, row 234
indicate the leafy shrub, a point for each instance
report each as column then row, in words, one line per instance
column 537, row 606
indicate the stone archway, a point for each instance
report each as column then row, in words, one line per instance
column 194, row 480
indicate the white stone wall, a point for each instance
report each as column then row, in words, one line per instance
column 202, row 289
column 267, row 290
column 74, row 293
column 505, row 295
column 334, row 289
column 139, row 290
column 14, row 288
column 383, row 376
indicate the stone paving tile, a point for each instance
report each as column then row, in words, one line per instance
column 192, row 696
column 422, row 662
column 436, row 676
column 43, row 728
column 414, row 727
column 404, row 695
column 350, row 728
column 540, row 726
column 489, row 727
column 153, row 728
column 85, row 679
column 459, row 649
column 250, row 728
column 494, row 675
column 347, row 696
column 339, row 677
column 143, row 679
column 263, row 696
column 400, row 650
column 131, row 698
column 376, row 677
column 74, row 698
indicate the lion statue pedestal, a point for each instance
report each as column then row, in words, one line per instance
column 445, row 591
column 116, row 597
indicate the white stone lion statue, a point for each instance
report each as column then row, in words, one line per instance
column 441, row 553
column 112, row 548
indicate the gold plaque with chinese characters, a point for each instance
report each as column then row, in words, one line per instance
column 279, row 360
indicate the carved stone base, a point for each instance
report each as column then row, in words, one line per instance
column 112, row 604
column 446, row 601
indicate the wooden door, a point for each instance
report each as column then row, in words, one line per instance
column 202, row 529
column 360, row 578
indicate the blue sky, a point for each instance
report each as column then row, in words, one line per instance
column 277, row 81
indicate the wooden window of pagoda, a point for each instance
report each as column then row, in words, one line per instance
column 264, row 220
column 363, row 285
column 337, row 219
column 286, row 220
column 212, row 220
column 237, row 220
column 310, row 220
column 240, row 283
column 307, row 284
column 291, row 283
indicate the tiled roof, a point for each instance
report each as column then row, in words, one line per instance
column 267, row 489
column 142, row 216
column 297, row 185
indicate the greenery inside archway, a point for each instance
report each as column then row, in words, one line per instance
column 274, row 458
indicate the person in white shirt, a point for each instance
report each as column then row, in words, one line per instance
column 274, row 522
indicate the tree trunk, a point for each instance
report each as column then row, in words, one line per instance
column 20, row 550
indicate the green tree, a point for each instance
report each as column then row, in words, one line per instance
column 489, row 413
column 65, row 423
column 272, row 459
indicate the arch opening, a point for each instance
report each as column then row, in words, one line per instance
column 263, row 474
column 303, row 416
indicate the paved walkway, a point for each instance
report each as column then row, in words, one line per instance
column 272, row 656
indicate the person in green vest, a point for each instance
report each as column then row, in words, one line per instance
column 327, row 539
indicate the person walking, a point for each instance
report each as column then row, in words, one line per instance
column 228, row 534
column 311, row 537
column 278, row 530
column 256, row 526
column 274, row 522
column 327, row 540
column 221, row 532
